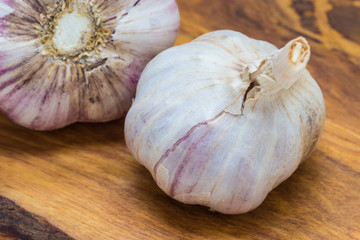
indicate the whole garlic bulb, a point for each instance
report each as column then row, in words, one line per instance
column 77, row 60
column 223, row 120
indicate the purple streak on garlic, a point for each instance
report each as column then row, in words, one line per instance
column 67, row 61
column 223, row 120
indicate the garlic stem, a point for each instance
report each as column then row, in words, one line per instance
column 291, row 61
column 283, row 69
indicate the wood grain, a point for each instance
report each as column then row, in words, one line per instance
column 17, row 222
column 8, row 236
column 83, row 181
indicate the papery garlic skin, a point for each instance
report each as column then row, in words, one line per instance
column 223, row 120
column 46, row 84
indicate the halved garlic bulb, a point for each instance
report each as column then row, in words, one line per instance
column 77, row 60
column 223, row 120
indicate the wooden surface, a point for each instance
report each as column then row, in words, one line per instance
column 82, row 180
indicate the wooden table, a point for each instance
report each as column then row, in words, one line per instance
column 81, row 182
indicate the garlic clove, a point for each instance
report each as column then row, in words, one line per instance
column 227, row 120
column 52, row 76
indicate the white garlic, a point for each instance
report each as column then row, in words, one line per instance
column 77, row 60
column 223, row 120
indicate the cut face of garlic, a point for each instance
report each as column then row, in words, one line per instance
column 223, row 120
column 77, row 60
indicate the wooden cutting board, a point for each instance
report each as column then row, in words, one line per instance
column 80, row 182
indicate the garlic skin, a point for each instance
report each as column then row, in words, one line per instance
column 77, row 60
column 224, row 119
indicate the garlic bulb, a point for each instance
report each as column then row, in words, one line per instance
column 77, row 60
column 223, row 120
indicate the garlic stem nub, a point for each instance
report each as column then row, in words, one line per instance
column 290, row 62
column 282, row 69
column 299, row 52
column 296, row 52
